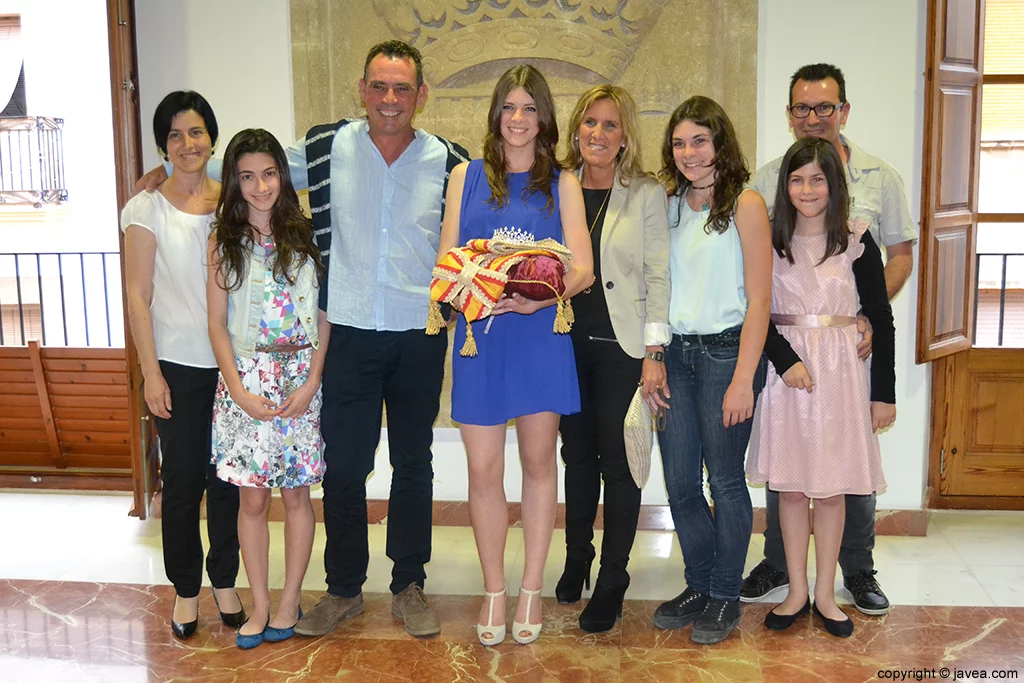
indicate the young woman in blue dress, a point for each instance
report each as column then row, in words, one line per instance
column 523, row 370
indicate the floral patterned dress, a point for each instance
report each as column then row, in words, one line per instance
column 282, row 453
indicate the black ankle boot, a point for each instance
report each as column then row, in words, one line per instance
column 575, row 575
column 604, row 608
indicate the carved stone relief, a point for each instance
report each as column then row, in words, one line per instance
column 662, row 51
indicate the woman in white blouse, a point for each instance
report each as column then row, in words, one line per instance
column 165, row 234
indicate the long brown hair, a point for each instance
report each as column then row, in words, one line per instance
column 731, row 171
column 545, row 164
column 292, row 231
column 628, row 164
column 837, row 230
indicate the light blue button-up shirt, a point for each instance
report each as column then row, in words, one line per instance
column 385, row 228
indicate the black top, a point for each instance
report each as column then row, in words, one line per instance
column 590, row 305
column 869, row 274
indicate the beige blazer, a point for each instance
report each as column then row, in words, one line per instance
column 635, row 264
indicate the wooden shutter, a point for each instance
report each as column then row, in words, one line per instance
column 949, row 193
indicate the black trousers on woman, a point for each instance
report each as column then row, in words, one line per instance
column 593, row 448
column 187, row 474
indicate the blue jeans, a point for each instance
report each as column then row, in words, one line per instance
column 700, row 369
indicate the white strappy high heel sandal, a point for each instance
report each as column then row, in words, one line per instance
column 497, row 631
column 532, row 629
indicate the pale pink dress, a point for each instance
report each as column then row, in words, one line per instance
column 820, row 443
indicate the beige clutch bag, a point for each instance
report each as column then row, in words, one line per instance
column 638, row 430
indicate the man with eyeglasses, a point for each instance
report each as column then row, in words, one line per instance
column 818, row 108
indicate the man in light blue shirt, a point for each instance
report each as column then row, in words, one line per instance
column 376, row 190
column 818, row 108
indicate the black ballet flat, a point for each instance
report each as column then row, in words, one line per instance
column 780, row 622
column 234, row 620
column 840, row 629
column 186, row 630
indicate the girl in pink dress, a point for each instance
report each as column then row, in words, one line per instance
column 814, row 427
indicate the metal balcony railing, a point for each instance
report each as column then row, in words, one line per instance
column 999, row 301
column 32, row 161
column 71, row 299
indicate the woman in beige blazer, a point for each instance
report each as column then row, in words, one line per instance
column 618, row 336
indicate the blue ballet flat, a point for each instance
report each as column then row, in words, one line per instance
column 276, row 635
column 249, row 642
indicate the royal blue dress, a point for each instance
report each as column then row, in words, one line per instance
column 522, row 366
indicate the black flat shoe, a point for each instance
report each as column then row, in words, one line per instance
column 186, row 630
column 840, row 629
column 780, row 622
column 575, row 576
column 234, row 620
column 604, row 608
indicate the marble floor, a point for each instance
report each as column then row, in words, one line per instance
column 83, row 598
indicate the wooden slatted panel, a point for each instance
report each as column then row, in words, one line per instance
column 22, row 433
column 88, row 395
column 96, row 432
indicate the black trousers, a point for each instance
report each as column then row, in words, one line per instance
column 364, row 371
column 593, row 448
column 858, row 535
column 186, row 474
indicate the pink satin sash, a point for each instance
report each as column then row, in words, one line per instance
column 813, row 320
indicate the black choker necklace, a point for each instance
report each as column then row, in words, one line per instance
column 698, row 187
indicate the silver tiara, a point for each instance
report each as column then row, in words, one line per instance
column 514, row 235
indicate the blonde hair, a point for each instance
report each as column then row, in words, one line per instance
column 628, row 164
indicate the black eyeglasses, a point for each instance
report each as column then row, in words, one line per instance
column 824, row 110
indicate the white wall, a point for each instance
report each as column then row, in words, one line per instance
column 880, row 46
column 237, row 54
column 67, row 75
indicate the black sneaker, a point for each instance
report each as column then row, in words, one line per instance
column 681, row 610
column 764, row 580
column 867, row 594
column 720, row 618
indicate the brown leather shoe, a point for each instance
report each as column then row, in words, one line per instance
column 328, row 613
column 411, row 607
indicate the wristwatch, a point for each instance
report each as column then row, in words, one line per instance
column 658, row 356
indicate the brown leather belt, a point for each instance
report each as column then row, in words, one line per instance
column 282, row 348
column 813, row 320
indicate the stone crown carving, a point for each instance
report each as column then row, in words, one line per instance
column 454, row 35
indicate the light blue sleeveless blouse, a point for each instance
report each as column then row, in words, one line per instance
column 707, row 273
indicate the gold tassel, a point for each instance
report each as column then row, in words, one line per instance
column 469, row 348
column 434, row 319
column 570, row 315
column 562, row 324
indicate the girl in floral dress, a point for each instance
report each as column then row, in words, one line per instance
column 269, row 340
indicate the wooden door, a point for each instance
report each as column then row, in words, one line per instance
column 977, row 440
column 124, row 89
column 981, row 460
